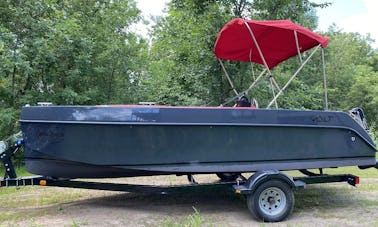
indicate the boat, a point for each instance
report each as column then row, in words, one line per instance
column 107, row 141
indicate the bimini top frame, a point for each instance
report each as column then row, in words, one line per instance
column 275, row 41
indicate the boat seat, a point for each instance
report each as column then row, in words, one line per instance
column 243, row 102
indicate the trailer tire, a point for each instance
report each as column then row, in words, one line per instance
column 271, row 201
column 227, row 177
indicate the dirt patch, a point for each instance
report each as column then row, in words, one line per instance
column 322, row 205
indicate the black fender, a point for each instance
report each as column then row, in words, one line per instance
column 262, row 176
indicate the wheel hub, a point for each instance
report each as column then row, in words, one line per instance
column 272, row 201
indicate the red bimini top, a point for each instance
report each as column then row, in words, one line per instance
column 276, row 39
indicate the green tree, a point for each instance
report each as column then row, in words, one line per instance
column 68, row 52
column 364, row 93
column 71, row 52
column 344, row 55
column 182, row 62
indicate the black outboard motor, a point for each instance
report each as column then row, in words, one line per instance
column 358, row 115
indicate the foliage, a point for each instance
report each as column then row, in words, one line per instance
column 364, row 93
column 181, row 56
column 344, row 54
column 69, row 52
column 86, row 52
column 193, row 220
column 8, row 122
column 352, row 74
column 299, row 11
column 183, row 71
column 182, row 62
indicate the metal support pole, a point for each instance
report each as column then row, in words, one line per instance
column 250, row 61
column 228, row 77
column 297, row 45
column 292, row 77
column 324, row 83
column 275, row 82
column 245, row 91
column 257, row 46
column 255, row 81
column 272, row 87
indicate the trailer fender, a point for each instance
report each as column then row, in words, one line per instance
column 262, row 176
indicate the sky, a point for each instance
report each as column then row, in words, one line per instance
column 149, row 8
column 349, row 15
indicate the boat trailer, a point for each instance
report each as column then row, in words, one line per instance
column 269, row 193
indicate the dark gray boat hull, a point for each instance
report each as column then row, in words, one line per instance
column 115, row 141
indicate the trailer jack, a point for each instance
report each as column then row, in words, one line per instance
column 6, row 153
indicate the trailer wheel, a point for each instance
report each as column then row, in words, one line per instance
column 272, row 201
column 228, row 176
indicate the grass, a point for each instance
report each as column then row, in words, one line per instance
column 29, row 202
column 20, row 171
column 12, row 197
column 12, row 216
column 319, row 199
column 33, row 204
column 78, row 223
column 334, row 201
column 193, row 220
column 37, row 196
column 365, row 173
